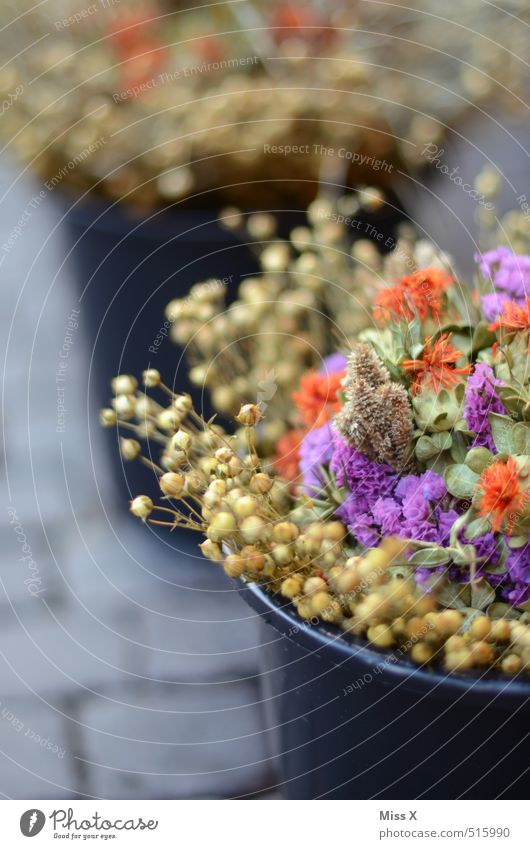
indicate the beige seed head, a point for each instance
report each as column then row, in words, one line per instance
column 151, row 378
column 141, row 506
column 124, row 384
column 130, row 449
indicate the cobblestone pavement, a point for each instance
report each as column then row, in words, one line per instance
column 127, row 668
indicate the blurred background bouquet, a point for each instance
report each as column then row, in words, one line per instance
column 251, row 102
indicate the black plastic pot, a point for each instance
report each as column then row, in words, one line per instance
column 128, row 268
column 348, row 722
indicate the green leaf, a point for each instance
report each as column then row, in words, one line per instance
column 428, row 558
column 517, row 542
column 460, row 480
column 425, row 448
column 501, row 610
column 501, row 428
column 482, row 594
column 520, row 438
column 478, row 458
column 464, row 555
column 477, row 528
column 453, row 595
column 482, row 337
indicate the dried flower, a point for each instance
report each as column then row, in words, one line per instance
column 502, row 494
column 418, row 294
column 436, row 368
column 376, row 418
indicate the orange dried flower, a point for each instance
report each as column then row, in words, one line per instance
column 513, row 318
column 317, row 397
column 503, row 496
column 418, row 294
column 287, row 454
column 437, row 365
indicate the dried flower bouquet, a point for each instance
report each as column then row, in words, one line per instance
column 398, row 506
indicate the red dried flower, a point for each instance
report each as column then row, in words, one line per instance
column 418, row 294
column 503, row 496
column 317, row 397
column 437, row 365
column 287, row 454
column 513, row 318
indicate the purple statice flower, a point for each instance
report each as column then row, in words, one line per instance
column 315, row 451
column 387, row 514
column 333, row 364
column 509, row 274
column 518, row 569
column 367, row 481
column 481, row 399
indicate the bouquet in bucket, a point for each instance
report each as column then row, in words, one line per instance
column 396, row 507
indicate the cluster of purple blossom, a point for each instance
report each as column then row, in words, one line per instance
column 381, row 503
column 509, row 274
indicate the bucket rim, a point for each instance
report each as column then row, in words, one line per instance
column 335, row 647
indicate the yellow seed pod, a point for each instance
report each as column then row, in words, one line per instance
column 168, row 419
column 141, row 506
column 124, row 384
column 334, row 531
column 292, row 586
column 315, row 584
column 172, row 484
column 254, row 559
column 223, row 526
column 260, row 483
column 254, row 529
column 381, row 636
column 151, row 378
column 211, row 550
column 282, row 554
column 320, row 602
column 245, row 506
column 511, row 664
column 130, row 449
column 249, row 415
column 285, row 532
column 107, row 417
column 500, row 630
column 234, row 565
column 125, row 406
column 480, row 627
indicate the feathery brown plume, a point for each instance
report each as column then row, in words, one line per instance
column 376, row 418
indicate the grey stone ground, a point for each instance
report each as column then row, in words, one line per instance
column 128, row 674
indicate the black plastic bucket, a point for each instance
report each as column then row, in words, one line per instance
column 347, row 722
column 127, row 269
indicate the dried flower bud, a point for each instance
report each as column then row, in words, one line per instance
column 285, row 532
column 261, row 483
column 124, row 384
column 151, row 378
column 130, row 449
column 261, row 225
column 224, row 454
column 253, row 529
column 141, row 506
column 223, row 526
column 125, row 406
column 246, row 506
column 249, row 415
column 211, row 550
column 181, row 440
column 172, row 484
column 107, row 417
column 168, row 419
column 183, row 403
column 234, row 566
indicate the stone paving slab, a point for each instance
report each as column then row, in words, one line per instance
column 176, row 746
